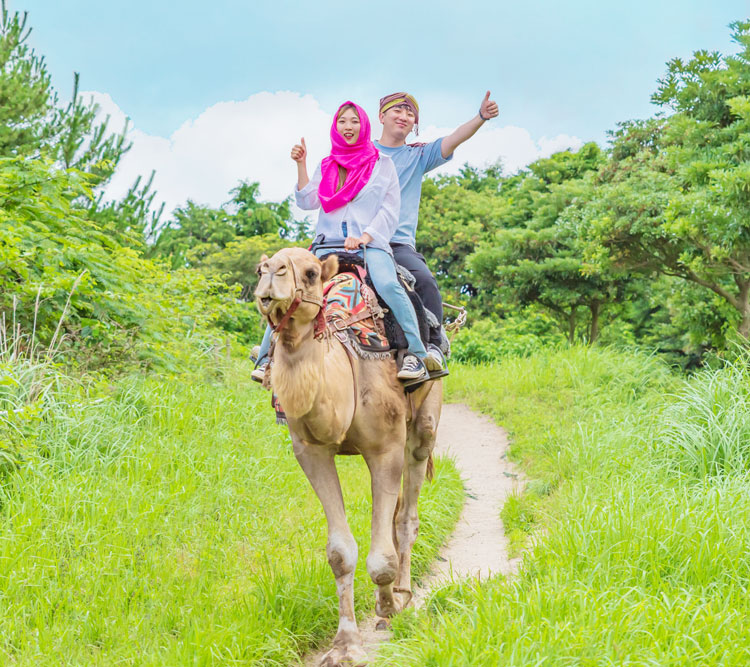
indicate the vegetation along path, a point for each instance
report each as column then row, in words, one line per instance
column 478, row 546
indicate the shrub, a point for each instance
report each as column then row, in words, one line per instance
column 521, row 335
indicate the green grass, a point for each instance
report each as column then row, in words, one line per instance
column 168, row 523
column 641, row 500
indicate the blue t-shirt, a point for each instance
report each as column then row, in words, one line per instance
column 412, row 161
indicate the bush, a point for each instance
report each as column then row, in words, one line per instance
column 516, row 336
column 124, row 309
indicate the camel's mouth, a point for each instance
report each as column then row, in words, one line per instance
column 273, row 308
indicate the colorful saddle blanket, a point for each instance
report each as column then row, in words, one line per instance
column 353, row 314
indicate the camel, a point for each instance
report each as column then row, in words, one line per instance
column 337, row 403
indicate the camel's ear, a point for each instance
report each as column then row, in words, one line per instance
column 330, row 267
column 263, row 258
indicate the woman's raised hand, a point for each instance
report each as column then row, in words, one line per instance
column 299, row 151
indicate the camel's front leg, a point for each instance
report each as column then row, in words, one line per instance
column 382, row 561
column 318, row 464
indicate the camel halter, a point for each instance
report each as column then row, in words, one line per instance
column 321, row 325
column 301, row 295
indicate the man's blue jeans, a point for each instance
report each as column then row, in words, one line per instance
column 382, row 270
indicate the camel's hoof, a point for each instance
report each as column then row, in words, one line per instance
column 399, row 600
column 345, row 656
column 383, row 624
column 385, row 607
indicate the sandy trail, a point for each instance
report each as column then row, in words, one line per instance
column 478, row 546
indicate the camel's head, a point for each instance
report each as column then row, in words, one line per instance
column 289, row 273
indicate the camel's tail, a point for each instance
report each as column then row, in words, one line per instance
column 430, row 473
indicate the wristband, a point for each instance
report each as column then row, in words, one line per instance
column 481, row 116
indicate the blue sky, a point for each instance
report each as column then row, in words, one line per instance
column 571, row 68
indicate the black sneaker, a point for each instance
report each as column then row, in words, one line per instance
column 412, row 368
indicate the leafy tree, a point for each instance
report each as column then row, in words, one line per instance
column 534, row 260
column 237, row 261
column 133, row 218
column 228, row 241
column 455, row 215
column 197, row 231
column 123, row 308
column 254, row 218
column 675, row 199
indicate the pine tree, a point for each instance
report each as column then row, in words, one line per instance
column 33, row 122
column 26, row 96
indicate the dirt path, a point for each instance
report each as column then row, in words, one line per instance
column 478, row 546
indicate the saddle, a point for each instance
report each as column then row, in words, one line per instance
column 354, row 316
column 392, row 339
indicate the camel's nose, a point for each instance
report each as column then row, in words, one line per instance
column 263, row 289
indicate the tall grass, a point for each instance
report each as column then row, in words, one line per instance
column 29, row 377
column 167, row 522
column 706, row 431
column 642, row 507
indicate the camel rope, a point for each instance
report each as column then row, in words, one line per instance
column 453, row 327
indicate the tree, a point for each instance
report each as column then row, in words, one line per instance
column 455, row 215
column 675, row 199
column 34, row 124
column 31, row 120
column 25, row 89
column 254, row 218
column 534, row 260
column 228, row 241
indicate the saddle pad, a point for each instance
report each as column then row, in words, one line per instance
column 344, row 301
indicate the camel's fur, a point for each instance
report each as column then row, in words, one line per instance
column 313, row 380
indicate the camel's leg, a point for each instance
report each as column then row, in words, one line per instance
column 382, row 561
column 318, row 464
column 419, row 446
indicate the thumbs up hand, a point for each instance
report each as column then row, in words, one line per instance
column 299, row 151
column 488, row 109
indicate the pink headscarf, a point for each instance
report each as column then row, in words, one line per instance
column 358, row 159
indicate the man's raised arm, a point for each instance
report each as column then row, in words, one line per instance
column 488, row 109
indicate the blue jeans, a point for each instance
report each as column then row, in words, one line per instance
column 382, row 270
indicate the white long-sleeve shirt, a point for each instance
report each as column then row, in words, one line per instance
column 374, row 210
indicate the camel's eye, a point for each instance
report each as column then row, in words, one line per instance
column 311, row 275
column 281, row 271
column 262, row 268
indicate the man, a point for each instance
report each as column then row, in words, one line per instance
column 399, row 115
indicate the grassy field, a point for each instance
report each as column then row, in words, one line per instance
column 168, row 523
column 640, row 497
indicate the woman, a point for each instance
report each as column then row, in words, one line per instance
column 358, row 191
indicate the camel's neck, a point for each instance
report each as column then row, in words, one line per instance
column 298, row 371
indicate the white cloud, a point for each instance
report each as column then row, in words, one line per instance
column 513, row 146
column 250, row 140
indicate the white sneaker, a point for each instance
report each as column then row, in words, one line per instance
column 435, row 361
column 412, row 368
column 259, row 373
